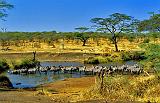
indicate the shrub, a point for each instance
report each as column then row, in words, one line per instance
column 147, row 40
column 3, row 66
column 152, row 55
column 131, row 37
column 26, row 64
column 137, row 55
column 96, row 60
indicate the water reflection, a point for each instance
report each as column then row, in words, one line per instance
column 25, row 81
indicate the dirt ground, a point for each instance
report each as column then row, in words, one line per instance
column 66, row 91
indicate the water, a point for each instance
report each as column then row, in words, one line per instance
column 28, row 81
column 61, row 63
column 33, row 80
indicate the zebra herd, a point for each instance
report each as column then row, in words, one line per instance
column 92, row 70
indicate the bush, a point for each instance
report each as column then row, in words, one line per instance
column 152, row 55
column 131, row 37
column 116, row 57
column 26, row 64
column 3, row 66
column 96, row 60
column 138, row 55
column 146, row 40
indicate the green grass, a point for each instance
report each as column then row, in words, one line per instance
column 117, row 57
column 152, row 55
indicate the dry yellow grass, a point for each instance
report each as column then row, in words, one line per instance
column 75, row 46
column 49, row 53
column 73, row 90
column 127, row 88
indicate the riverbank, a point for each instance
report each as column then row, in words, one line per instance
column 47, row 56
column 65, row 91
column 85, row 90
column 88, row 58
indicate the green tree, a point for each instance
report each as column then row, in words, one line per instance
column 115, row 24
column 3, row 7
column 82, row 34
column 150, row 25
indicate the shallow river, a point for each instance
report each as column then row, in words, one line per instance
column 33, row 80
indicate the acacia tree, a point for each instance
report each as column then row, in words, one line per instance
column 115, row 24
column 150, row 25
column 3, row 7
column 82, row 34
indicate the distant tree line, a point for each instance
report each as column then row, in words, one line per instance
column 114, row 27
column 36, row 38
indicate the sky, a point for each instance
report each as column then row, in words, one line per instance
column 65, row 15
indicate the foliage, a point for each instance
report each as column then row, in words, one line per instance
column 3, row 7
column 146, row 40
column 3, row 66
column 152, row 55
column 26, row 64
column 115, row 24
column 82, row 34
column 96, row 60
column 82, row 29
column 7, row 38
column 154, row 35
column 83, row 37
column 117, row 57
column 130, row 37
column 137, row 55
column 152, row 24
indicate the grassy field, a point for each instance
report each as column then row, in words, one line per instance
column 72, row 50
column 66, row 46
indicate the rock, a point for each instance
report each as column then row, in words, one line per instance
column 18, row 83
